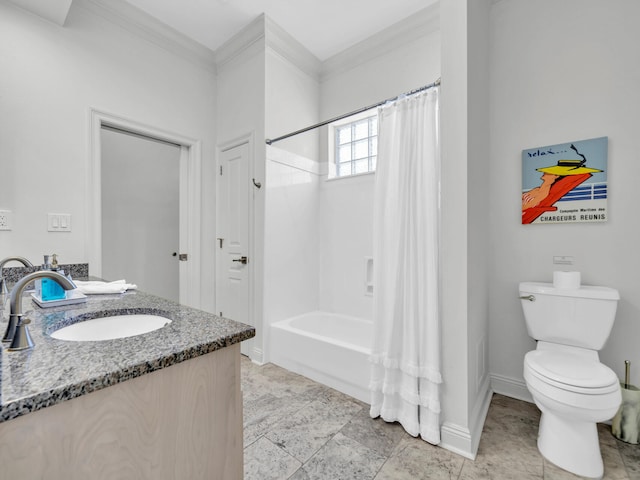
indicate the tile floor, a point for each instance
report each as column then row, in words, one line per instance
column 297, row 429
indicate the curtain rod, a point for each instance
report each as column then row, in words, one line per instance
column 270, row 141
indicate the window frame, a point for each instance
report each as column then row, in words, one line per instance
column 332, row 162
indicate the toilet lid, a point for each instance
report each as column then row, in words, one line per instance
column 571, row 372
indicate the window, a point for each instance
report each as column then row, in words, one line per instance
column 355, row 146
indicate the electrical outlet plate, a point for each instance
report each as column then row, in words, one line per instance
column 5, row 220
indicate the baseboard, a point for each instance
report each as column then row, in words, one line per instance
column 257, row 356
column 479, row 414
column 461, row 440
column 510, row 387
column 456, row 439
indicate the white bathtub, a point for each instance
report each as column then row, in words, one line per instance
column 326, row 347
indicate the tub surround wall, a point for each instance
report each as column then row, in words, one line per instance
column 291, row 236
column 317, row 237
column 345, row 232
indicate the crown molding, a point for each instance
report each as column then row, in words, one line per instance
column 264, row 33
column 55, row 11
column 419, row 25
column 261, row 33
column 285, row 45
column 148, row 28
column 247, row 42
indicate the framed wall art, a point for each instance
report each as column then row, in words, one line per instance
column 565, row 183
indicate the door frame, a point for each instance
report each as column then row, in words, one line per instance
column 190, row 198
column 249, row 139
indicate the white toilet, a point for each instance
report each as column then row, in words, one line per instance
column 570, row 386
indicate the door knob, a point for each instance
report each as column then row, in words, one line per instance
column 242, row 260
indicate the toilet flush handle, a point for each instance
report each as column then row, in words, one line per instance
column 531, row 298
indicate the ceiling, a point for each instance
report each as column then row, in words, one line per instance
column 324, row 27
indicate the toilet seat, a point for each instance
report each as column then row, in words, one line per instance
column 571, row 372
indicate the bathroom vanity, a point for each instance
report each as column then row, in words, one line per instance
column 161, row 405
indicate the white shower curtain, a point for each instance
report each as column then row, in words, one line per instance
column 405, row 374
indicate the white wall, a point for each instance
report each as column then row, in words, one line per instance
column 379, row 69
column 241, row 97
column 454, row 256
column 291, row 101
column 52, row 76
column 241, row 117
column 465, row 232
column 563, row 71
column 478, row 233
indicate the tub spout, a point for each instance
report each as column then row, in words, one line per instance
column 17, row 332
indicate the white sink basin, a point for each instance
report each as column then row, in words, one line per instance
column 109, row 328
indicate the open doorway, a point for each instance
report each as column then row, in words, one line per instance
column 141, row 211
column 120, row 241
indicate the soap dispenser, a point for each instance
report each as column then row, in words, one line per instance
column 50, row 289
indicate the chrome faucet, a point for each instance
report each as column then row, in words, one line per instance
column 17, row 332
column 3, row 282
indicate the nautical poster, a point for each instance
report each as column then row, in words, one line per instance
column 565, row 183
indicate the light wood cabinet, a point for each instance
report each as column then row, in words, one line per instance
column 180, row 422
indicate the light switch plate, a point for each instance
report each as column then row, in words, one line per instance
column 59, row 222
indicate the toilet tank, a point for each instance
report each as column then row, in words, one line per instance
column 581, row 317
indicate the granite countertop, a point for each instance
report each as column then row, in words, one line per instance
column 57, row 370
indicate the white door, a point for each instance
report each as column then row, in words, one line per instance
column 233, row 260
column 141, row 212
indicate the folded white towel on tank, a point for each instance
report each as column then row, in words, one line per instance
column 102, row 288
